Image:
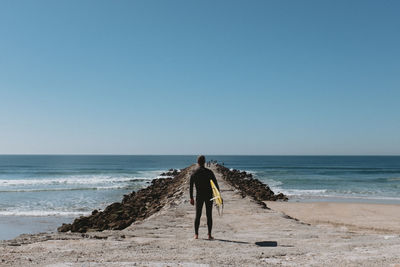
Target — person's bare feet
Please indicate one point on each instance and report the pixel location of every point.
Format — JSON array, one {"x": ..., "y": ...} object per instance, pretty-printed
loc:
[
  {"x": 210, "y": 237},
  {"x": 196, "y": 236}
]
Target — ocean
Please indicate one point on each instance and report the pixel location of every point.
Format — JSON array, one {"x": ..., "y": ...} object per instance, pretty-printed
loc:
[{"x": 38, "y": 192}]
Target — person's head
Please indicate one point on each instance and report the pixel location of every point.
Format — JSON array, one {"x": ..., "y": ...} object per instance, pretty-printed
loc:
[{"x": 201, "y": 160}]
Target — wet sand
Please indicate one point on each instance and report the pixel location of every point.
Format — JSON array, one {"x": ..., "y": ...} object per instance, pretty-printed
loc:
[{"x": 13, "y": 226}]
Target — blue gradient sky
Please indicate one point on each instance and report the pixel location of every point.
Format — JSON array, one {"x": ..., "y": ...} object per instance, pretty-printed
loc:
[{"x": 190, "y": 77}]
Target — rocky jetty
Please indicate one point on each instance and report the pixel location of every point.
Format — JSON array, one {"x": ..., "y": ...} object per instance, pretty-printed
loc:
[
  {"x": 135, "y": 206},
  {"x": 145, "y": 202},
  {"x": 249, "y": 186}
]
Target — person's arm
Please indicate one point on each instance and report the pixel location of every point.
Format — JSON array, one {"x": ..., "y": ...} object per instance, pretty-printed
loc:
[{"x": 191, "y": 190}]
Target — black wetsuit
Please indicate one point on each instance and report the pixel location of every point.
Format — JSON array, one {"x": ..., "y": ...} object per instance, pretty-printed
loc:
[{"x": 201, "y": 179}]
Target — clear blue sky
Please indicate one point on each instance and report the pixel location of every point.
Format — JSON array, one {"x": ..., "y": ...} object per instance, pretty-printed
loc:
[{"x": 190, "y": 77}]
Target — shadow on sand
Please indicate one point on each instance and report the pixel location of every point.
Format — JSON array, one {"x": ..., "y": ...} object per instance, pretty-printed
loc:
[
  {"x": 267, "y": 244},
  {"x": 260, "y": 244}
]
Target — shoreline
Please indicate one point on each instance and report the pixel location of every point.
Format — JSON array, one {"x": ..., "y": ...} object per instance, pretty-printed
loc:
[
  {"x": 339, "y": 199},
  {"x": 12, "y": 226}
]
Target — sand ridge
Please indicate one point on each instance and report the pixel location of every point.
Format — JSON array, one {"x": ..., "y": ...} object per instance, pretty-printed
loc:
[{"x": 246, "y": 235}]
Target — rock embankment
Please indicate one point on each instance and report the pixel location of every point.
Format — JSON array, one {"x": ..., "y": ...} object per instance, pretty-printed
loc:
[
  {"x": 249, "y": 186},
  {"x": 145, "y": 202},
  {"x": 134, "y": 206}
]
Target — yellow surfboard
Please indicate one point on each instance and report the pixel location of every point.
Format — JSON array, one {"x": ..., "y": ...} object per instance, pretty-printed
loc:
[{"x": 217, "y": 198}]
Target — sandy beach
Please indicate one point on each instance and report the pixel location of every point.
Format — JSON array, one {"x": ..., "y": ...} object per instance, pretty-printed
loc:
[
  {"x": 288, "y": 234},
  {"x": 361, "y": 217}
]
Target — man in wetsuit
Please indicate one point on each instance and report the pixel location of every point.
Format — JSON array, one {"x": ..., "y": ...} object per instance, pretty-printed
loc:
[{"x": 201, "y": 179}]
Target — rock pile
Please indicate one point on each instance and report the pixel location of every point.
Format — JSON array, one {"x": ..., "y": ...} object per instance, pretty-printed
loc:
[
  {"x": 171, "y": 172},
  {"x": 250, "y": 186},
  {"x": 135, "y": 206}
]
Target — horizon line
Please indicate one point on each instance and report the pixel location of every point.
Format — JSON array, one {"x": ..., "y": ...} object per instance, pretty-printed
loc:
[{"x": 267, "y": 155}]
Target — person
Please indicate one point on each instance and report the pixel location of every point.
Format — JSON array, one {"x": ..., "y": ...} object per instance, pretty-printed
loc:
[{"x": 201, "y": 179}]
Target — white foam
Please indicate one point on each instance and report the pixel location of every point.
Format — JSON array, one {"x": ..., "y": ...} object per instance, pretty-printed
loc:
[
  {"x": 78, "y": 180},
  {"x": 166, "y": 176},
  {"x": 300, "y": 192},
  {"x": 151, "y": 174},
  {"x": 248, "y": 171},
  {"x": 272, "y": 183},
  {"x": 323, "y": 193},
  {"x": 362, "y": 197},
  {"x": 68, "y": 189},
  {"x": 43, "y": 213}
]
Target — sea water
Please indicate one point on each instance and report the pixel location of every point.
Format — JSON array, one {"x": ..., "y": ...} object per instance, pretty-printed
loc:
[
  {"x": 373, "y": 179},
  {"x": 75, "y": 185},
  {"x": 48, "y": 188}
]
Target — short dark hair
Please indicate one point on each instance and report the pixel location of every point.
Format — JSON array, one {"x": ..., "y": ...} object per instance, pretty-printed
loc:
[{"x": 201, "y": 160}]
